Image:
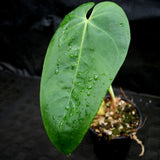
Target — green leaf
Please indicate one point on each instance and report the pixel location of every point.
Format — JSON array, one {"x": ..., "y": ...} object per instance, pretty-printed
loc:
[{"x": 82, "y": 60}]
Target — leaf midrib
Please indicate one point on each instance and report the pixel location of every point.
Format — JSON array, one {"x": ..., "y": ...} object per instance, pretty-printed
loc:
[{"x": 76, "y": 72}]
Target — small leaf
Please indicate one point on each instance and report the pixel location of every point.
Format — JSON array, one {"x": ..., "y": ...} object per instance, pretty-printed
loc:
[{"x": 82, "y": 60}]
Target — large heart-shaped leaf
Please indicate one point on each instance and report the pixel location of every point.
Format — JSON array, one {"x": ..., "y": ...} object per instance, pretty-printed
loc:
[{"x": 82, "y": 60}]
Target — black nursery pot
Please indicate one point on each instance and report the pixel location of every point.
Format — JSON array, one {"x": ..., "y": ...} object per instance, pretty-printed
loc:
[{"x": 116, "y": 148}]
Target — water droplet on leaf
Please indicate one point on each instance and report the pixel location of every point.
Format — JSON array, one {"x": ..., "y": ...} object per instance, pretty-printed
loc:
[
  {"x": 89, "y": 87},
  {"x": 69, "y": 43},
  {"x": 71, "y": 55},
  {"x": 95, "y": 77},
  {"x": 91, "y": 49},
  {"x": 121, "y": 24},
  {"x": 90, "y": 79},
  {"x": 56, "y": 71},
  {"x": 76, "y": 55},
  {"x": 88, "y": 94},
  {"x": 67, "y": 107},
  {"x": 73, "y": 65},
  {"x": 87, "y": 105}
]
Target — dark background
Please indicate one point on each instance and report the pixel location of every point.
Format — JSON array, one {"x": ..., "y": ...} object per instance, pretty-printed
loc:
[{"x": 26, "y": 28}]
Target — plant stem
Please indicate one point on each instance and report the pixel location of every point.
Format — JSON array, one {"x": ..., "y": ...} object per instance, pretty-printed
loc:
[{"x": 112, "y": 93}]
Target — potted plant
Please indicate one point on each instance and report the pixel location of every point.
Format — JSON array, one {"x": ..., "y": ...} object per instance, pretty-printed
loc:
[
  {"x": 114, "y": 125},
  {"x": 82, "y": 60}
]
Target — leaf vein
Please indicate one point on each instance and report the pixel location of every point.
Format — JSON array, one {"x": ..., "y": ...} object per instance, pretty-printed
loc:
[
  {"x": 107, "y": 35},
  {"x": 103, "y": 13},
  {"x": 73, "y": 15},
  {"x": 76, "y": 72},
  {"x": 75, "y": 25}
]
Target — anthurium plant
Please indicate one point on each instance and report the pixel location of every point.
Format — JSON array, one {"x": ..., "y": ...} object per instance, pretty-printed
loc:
[{"x": 82, "y": 60}]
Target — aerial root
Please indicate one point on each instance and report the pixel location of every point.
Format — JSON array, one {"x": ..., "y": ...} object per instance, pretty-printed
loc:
[{"x": 133, "y": 136}]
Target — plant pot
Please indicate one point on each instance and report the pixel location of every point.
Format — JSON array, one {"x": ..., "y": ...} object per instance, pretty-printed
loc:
[{"x": 116, "y": 148}]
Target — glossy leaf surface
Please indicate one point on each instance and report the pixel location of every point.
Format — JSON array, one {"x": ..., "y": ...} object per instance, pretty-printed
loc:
[{"x": 82, "y": 60}]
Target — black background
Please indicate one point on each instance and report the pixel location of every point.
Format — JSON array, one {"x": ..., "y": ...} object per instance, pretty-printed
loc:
[{"x": 26, "y": 28}]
